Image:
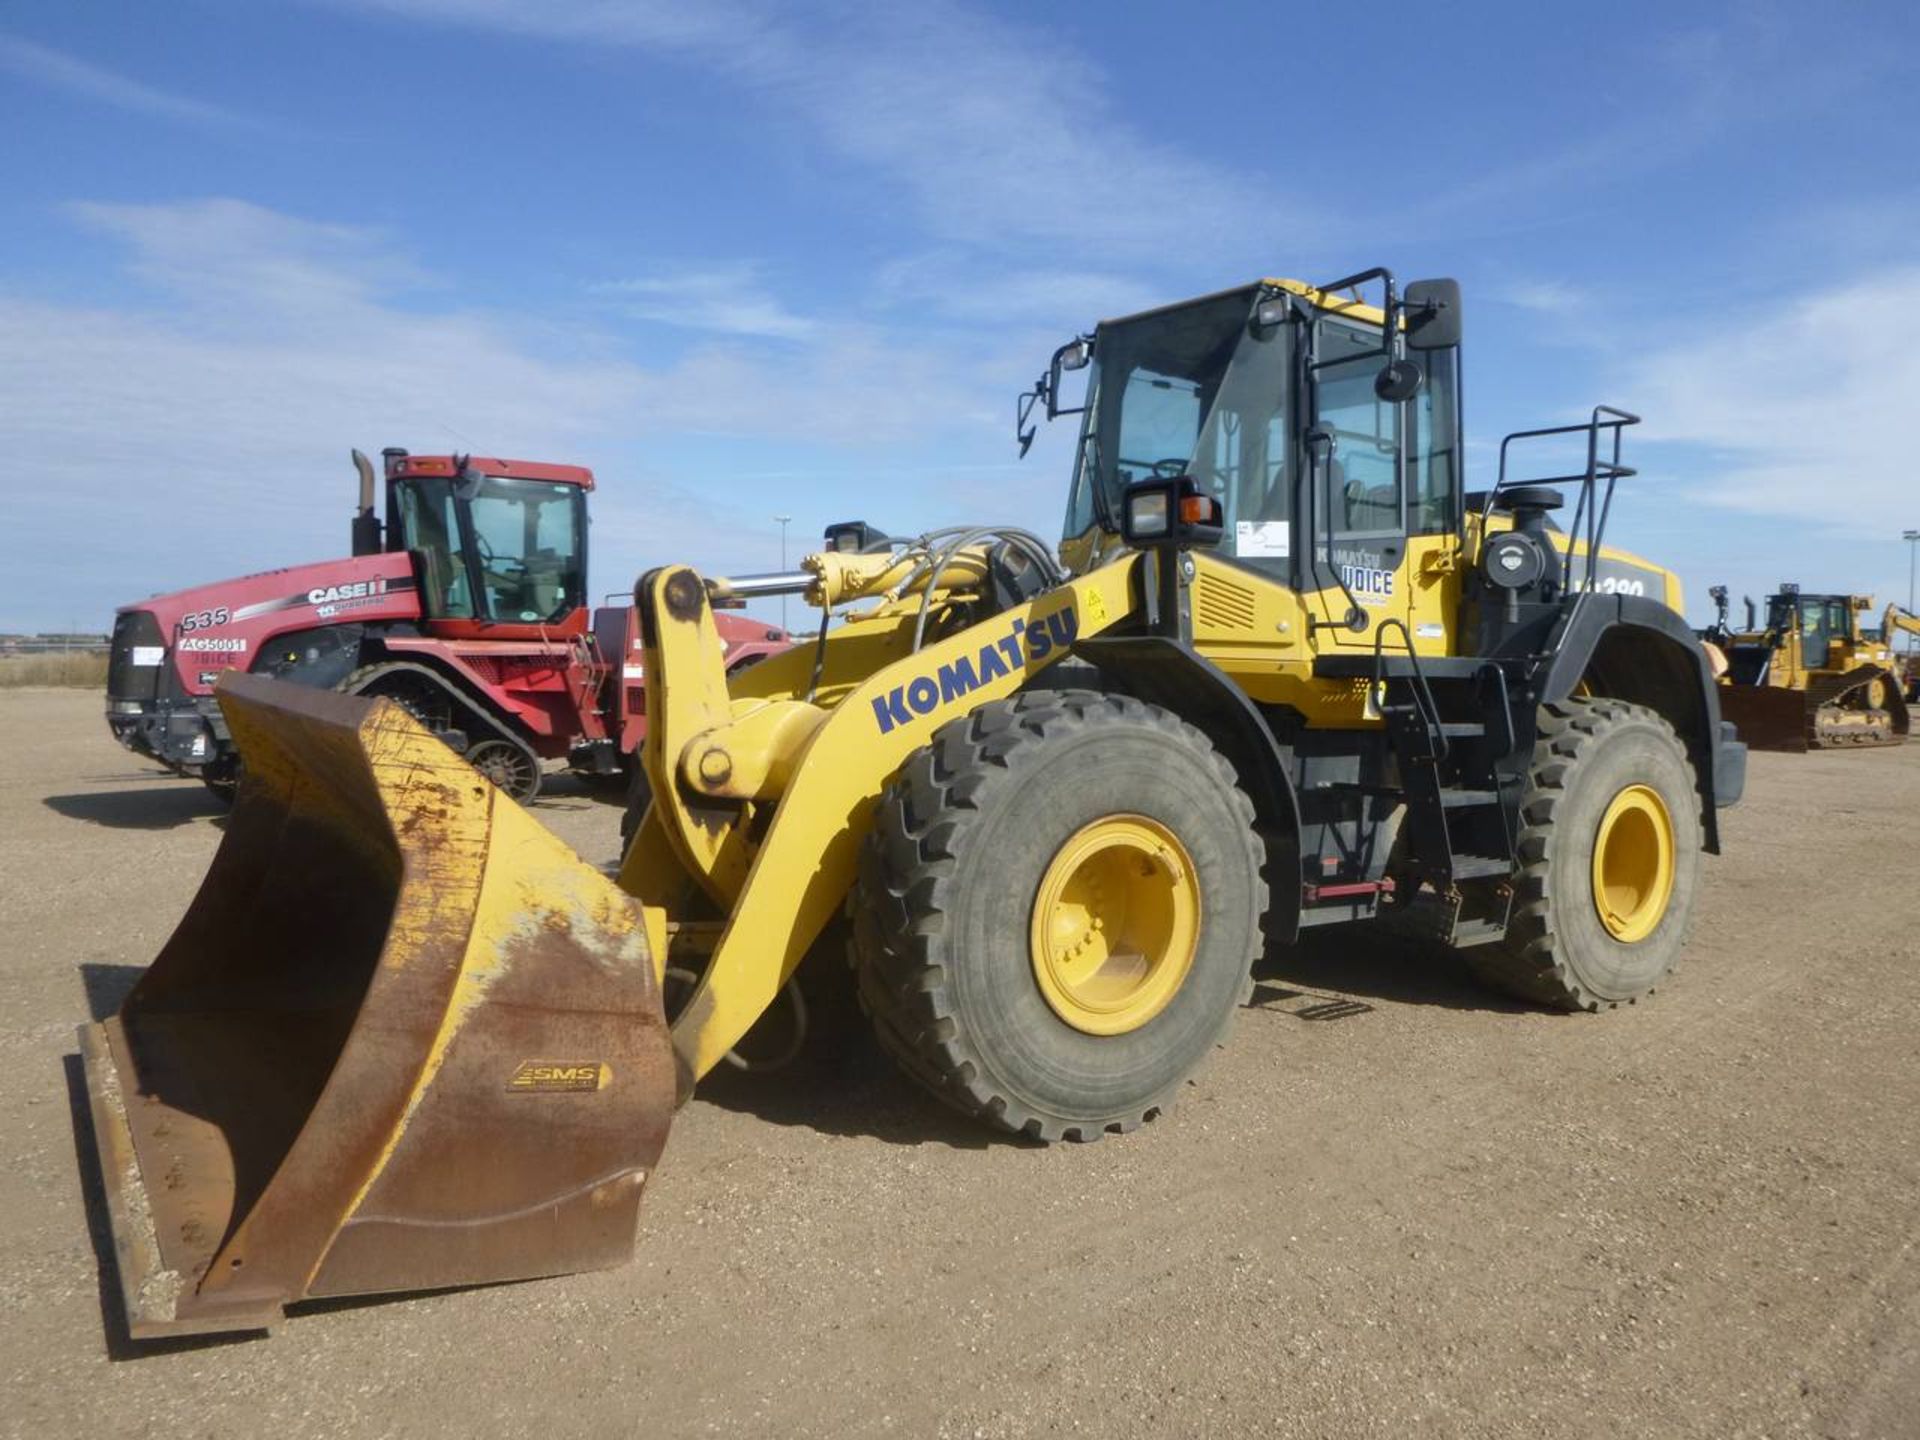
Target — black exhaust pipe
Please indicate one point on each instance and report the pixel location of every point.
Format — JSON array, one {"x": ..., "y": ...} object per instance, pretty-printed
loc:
[{"x": 366, "y": 525}]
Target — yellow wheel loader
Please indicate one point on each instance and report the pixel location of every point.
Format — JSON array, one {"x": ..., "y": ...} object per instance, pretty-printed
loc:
[
  {"x": 1810, "y": 679},
  {"x": 1281, "y": 672}
]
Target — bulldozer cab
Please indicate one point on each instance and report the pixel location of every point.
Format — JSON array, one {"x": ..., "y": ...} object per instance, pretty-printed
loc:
[
  {"x": 1818, "y": 621},
  {"x": 1277, "y": 400},
  {"x": 503, "y": 555}
]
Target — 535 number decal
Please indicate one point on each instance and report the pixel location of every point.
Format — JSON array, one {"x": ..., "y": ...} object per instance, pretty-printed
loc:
[{"x": 205, "y": 619}]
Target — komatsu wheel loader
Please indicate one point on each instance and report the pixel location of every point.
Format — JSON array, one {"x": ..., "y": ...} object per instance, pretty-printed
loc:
[
  {"x": 1810, "y": 679},
  {"x": 1289, "y": 675}
]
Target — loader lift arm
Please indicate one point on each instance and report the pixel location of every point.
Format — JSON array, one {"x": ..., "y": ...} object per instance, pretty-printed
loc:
[
  {"x": 1897, "y": 618},
  {"x": 780, "y": 891}
]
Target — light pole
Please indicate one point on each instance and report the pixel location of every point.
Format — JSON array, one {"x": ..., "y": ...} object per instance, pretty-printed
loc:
[
  {"x": 1912, "y": 537},
  {"x": 784, "y": 521}
]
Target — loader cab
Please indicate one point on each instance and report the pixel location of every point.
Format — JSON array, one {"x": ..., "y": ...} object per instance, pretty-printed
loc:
[
  {"x": 499, "y": 546},
  {"x": 1331, "y": 476}
]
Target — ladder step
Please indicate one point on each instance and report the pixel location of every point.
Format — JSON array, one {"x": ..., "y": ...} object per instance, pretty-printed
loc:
[
  {"x": 1355, "y": 787},
  {"x": 1477, "y": 932},
  {"x": 1476, "y": 867},
  {"x": 1462, "y": 729},
  {"x": 1463, "y": 799}
]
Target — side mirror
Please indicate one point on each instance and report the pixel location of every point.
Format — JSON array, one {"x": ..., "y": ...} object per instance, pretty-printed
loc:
[
  {"x": 466, "y": 479},
  {"x": 1432, "y": 308},
  {"x": 1074, "y": 355}
]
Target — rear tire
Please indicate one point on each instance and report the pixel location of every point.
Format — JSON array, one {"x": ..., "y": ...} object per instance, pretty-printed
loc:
[
  {"x": 222, "y": 779},
  {"x": 971, "y": 839},
  {"x": 509, "y": 765},
  {"x": 1567, "y": 945}
]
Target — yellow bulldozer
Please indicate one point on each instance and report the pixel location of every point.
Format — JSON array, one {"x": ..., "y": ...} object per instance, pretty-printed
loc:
[
  {"x": 1050, "y": 804},
  {"x": 1810, "y": 678}
]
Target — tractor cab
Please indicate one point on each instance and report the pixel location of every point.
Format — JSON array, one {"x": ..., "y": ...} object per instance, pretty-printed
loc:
[{"x": 499, "y": 546}]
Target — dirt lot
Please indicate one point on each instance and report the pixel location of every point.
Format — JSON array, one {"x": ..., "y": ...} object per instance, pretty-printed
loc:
[{"x": 1391, "y": 1205}]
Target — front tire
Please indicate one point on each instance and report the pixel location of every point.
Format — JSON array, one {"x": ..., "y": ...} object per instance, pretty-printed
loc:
[
  {"x": 1609, "y": 852},
  {"x": 1058, "y": 911}
]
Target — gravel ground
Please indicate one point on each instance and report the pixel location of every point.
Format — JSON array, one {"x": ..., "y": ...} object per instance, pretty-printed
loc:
[{"x": 1390, "y": 1205}]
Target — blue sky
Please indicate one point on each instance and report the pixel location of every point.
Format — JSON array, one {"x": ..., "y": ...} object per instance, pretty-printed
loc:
[{"x": 749, "y": 259}]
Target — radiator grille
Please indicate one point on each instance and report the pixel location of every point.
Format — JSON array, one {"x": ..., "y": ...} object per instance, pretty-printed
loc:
[{"x": 1222, "y": 605}]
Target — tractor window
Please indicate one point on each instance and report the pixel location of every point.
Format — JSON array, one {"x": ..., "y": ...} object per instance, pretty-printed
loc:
[
  {"x": 432, "y": 527},
  {"x": 512, "y": 551},
  {"x": 527, "y": 538}
]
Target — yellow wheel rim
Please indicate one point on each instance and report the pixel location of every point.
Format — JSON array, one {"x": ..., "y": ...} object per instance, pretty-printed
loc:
[
  {"x": 1633, "y": 864},
  {"x": 1115, "y": 924}
]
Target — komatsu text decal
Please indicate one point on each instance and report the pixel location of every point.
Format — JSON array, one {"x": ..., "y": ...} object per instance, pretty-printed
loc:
[{"x": 999, "y": 658}]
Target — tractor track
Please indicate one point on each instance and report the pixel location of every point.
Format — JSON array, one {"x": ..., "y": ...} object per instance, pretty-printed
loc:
[{"x": 1430, "y": 1212}]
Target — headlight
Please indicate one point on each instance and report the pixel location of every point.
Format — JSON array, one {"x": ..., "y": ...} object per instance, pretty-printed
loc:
[
  {"x": 125, "y": 707},
  {"x": 1148, "y": 514}
]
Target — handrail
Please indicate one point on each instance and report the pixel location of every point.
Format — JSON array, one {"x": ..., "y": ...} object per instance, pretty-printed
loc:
[
  {"x": 1591, "y": 510},
  {"x": 1423, "y": 693}
]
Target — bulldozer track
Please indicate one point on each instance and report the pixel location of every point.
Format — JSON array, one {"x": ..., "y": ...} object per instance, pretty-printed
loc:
[{"x": 1839, "y": 717}]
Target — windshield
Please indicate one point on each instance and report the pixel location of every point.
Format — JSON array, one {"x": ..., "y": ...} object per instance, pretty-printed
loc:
[
  {"x": 512, "y": 551},
  {"x": 1821, "y": 619},
  {"x": 1195, "y": 390}
]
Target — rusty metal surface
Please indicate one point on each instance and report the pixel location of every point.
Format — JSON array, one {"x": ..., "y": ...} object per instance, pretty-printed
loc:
[
  {"x": 403, "y": 1038},
  {"x": 152, "y": 1274}
]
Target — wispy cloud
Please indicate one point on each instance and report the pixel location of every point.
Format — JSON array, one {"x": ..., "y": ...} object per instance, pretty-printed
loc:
[
  {"x": 272, "y": 343},
  {"x": 1545, "y": 297},
  {"x": 999, "y": 135},
  {"x": 730, "y": 300},
  {"x": 60, "y": 71},
  {"x": 1801, "y": 411}
]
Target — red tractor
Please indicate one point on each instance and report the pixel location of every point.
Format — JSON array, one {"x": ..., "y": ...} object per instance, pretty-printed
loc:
[{"x": 468, "y": 606}]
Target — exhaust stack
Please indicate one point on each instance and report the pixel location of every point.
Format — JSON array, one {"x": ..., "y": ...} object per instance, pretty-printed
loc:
[{"x": 366, "y": 525}]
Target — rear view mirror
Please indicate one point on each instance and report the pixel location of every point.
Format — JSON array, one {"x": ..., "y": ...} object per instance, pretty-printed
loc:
[
  {"x": 1432, "y": 308},
  {"x": 1074, "y": 355}
]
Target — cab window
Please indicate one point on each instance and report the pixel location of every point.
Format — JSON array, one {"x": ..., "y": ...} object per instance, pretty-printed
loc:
[{"x": 1361, "y": 481}]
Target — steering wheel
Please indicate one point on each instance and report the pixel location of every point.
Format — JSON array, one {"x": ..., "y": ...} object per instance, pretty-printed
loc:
[
  {"x": 1169, "y": 469},
  {"x": 491, "y": 562}
]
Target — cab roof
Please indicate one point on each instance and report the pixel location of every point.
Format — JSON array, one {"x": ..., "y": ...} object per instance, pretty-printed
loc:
[
  {"x": 400, "y": 466},
  {"x": 1319, "y": 299}
]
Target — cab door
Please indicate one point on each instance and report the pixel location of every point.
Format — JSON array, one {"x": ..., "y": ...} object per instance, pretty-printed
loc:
[{"x": 1358, "y": 546}]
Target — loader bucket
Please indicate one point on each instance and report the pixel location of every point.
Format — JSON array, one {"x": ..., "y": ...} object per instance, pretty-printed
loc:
[
  {"x": 1768, "y": 717},
  {"x": 404, "y": 1038}
]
